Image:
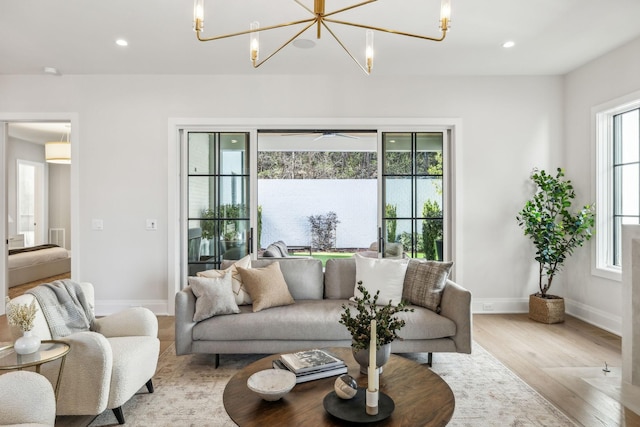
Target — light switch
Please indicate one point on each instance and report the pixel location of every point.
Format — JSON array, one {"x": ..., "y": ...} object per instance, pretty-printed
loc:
[
  {"x": 152, "y": 224},
  {"x": 97, "y": 224}
]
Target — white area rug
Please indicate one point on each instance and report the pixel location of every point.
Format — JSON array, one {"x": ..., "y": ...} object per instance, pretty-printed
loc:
[{"x": 188, "y": 392}]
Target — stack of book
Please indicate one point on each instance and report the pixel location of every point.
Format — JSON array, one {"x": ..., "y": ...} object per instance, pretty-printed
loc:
[{"x": 311, "y": 365}]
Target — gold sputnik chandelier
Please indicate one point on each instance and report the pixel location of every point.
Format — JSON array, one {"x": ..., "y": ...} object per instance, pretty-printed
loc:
[{"x": 320, "y": 19}]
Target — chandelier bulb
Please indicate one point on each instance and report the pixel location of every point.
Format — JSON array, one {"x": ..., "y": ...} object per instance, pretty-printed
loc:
[
  {"x": 254, "y": 41},
  {"x": 369, "y": 50},
  {"x": 445, "y": 15},
  {"x": 198, "y": 15}
]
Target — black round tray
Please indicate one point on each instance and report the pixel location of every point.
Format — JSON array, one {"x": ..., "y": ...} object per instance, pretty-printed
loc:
[{"x": 354, "y": 410}]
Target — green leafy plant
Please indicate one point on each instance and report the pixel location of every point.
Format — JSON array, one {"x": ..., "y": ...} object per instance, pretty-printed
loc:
[
  {"x": 391, "y": 211},
  {"x": 359, "y": 326},
  {"x": 554, "y": 230},
  {"x": 323, "y": 230},
  {"x": 431, "y": 228}
]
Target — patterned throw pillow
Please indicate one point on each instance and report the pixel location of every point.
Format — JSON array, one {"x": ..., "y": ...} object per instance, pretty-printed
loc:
[
  {"x": 240, "y": 293},
  {"x": 214, "y": 296},
  {"x": 424, "y": 283},
  {"x": 266, "y": 286}
]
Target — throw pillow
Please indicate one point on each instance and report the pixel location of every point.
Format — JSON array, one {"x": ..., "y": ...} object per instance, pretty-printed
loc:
[
  {"x": 386, "y": 275},
  {"x": 240, "y": 293},
  {"x": 424, "y": 283},
  {"x": 272, "y": 251},
  {"x": 214, "y": 296},
  {"x": 284, "y": 251},
  {"x": 266, "y": 286}
]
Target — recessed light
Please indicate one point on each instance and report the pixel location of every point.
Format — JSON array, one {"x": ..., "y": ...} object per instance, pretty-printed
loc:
[
  {"x": 122, "y": 42},
  {"x": 304, "y": 43},
  {"x": 53, "y": 71},
  {"x": 508, "y": 44}
]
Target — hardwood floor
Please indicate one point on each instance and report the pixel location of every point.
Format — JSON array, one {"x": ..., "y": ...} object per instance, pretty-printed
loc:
[{"x": 562, "y": 362}]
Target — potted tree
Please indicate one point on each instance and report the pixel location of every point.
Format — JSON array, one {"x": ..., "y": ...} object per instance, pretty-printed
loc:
[{"x": 555, "y": 233}]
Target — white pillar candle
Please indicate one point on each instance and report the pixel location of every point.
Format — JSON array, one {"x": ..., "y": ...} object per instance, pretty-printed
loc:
[{"x": 372, "y": 359}]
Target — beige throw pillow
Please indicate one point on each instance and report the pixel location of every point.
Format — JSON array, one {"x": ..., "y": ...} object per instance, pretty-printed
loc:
[
  {"x": 214, "y": 296},
  {"x": 241, "y": 295},
  {"x": 266, "y": 286},
  {"x": 424, "y": 283}
]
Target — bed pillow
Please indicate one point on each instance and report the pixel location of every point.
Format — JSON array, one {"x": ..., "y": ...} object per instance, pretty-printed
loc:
[
  {"x": 266, "y": 286},
  {"x": 214, "y": 296},
  {"x": 239, "y": 291},
  {"x": 386, "y": 275},
  {"x": 425, "y": 282}
]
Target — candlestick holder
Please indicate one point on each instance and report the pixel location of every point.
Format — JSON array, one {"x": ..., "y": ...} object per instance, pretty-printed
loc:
[{"x": 372, "y": 402}]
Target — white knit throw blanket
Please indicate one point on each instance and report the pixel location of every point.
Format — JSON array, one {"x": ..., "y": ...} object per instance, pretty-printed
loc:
[{"x": 64, "y": 306}]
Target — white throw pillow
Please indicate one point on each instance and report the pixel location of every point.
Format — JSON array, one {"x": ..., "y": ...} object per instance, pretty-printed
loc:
[
  {"x": 386, "y": 275},
  {"x": 239, "y": 291}
]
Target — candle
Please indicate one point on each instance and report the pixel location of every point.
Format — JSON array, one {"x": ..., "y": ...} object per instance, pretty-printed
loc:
[{"x": 372, "y": 358}]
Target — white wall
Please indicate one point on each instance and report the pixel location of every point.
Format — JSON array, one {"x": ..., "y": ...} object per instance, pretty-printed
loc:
[
  {"x": 509, "y": 125},
  {"x": 614, "y": 75}
]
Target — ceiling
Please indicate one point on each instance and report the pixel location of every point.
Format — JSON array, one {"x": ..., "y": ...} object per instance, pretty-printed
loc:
[{"x": 78, "y": 36}]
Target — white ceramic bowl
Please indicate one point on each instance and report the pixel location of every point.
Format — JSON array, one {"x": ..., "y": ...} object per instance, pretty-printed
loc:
[{"x": 271, "y": 384}]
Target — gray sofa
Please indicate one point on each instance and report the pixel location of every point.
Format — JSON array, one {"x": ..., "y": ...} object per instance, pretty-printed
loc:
[{"x": 312, "y": 321}]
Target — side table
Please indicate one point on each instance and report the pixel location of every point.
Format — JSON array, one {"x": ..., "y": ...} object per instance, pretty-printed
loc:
[{"x": 49, "y": 351}]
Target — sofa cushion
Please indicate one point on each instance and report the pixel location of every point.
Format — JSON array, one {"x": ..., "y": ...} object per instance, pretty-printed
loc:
[
  {"x": 266, "y": 286},
  {"x": 304, "y": 276},
  {"x": 424, "y": 283},
  {"x": 311, "y": 320},
  {"x": 339, "y": 277},
  {"x": 304, "y": 320},
  {"x": 214, "y": 296},
  {"x": 240, "y": 293},
  {"x": 384, "y": 275}
]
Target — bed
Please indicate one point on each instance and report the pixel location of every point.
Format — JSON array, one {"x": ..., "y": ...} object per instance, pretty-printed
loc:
[{"x": 37, "y": 262}]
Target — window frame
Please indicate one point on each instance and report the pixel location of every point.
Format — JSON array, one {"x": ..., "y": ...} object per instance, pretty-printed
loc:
[{"x": 603, "y": 147}]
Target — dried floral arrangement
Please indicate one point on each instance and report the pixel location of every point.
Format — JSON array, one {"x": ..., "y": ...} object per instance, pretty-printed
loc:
[
  {"x": 21, "y": 315},
  {"x": 367, "y": 309}
]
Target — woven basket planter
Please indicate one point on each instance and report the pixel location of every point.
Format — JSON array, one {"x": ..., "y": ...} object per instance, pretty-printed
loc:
[{"x": 546, "y": 310}]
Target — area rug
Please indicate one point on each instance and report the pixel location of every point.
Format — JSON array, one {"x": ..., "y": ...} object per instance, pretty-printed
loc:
[{"x": 188, "y": 392}]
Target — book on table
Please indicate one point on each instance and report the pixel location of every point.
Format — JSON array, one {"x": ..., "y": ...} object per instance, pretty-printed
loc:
[
  {"x": 310, "y": 360},
  {"x": 313, "y": 375}
]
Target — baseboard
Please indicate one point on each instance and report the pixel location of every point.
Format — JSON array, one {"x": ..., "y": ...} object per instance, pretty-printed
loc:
[
  {"x": 593, "y": 316},
  {"x": 107, "y": 307},
  {"x": 499, "y": 305}
]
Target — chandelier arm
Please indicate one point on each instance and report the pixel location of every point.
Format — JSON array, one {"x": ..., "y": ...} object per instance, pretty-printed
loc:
[
  {"x": 313, "y": 21},
  {"x": 385, "y": 30},
  {"x": 348, "y": 7},
  {"x": 271, "y": 27},
  {"x": 304, "y": 6},
  {"x": 345, "y": 48}
]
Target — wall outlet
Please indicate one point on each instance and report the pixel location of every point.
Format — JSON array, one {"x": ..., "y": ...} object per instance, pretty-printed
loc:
[
  {"x": 487, "y": 306},
  {"x": 97, "y": 224},
  {"x": 152, "y": 224}
]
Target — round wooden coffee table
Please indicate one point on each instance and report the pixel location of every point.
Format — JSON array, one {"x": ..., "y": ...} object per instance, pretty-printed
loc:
[{"x": 421, "y": 397}]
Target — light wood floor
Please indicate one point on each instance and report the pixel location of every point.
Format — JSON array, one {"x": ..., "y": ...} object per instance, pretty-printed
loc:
[{"x": 563, "y": 362}]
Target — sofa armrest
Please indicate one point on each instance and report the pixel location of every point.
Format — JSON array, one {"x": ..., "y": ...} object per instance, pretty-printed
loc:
[
  {"x": 134, "y": 321},
  {"x": 27, "y": 398},
  {"x": 456, "y": 305},
  {"x": 185, "y": 305},
  {"x": 86, "y": 377}
]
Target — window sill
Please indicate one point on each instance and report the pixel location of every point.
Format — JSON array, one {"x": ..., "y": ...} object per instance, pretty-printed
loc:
[{"x": 611, "y": 273}]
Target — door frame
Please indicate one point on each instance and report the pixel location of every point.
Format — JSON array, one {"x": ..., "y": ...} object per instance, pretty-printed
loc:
[
  {"x": 175, "y": 246},
  {"x": 73, "y": 119}
]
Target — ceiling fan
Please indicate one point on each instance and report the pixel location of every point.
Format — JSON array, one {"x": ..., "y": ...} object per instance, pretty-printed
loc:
[{"x": 324, "y": 134}]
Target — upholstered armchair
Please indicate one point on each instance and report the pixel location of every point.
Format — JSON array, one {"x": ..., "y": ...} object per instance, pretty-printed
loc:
[
  {"x": 104, "y": 367},
  {"x": 27, "y": 399}
]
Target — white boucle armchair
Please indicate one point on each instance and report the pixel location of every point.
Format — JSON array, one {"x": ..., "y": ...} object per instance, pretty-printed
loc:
[
  {"x": 27, "y": 399},
  {"x": 104, "y": 367}
]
